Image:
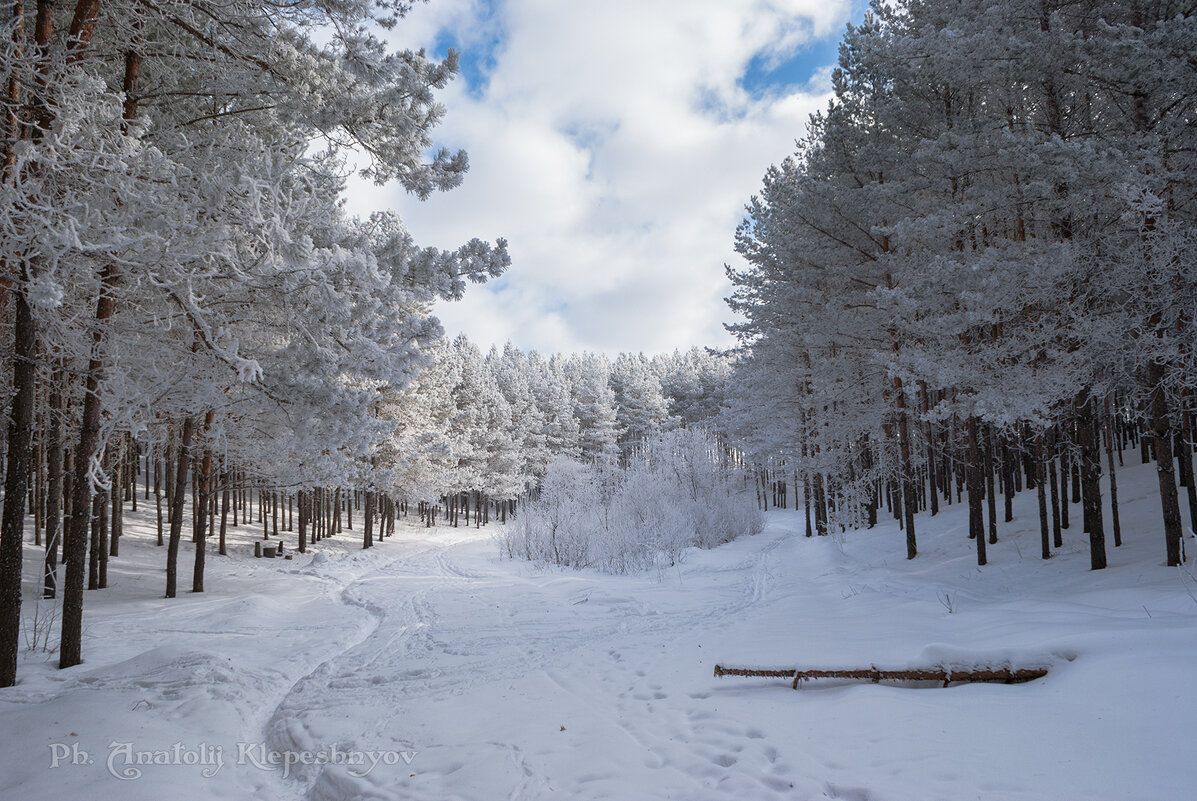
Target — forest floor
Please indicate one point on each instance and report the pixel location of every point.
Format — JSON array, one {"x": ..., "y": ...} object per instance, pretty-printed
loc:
[{"x": 450, "y": 673}]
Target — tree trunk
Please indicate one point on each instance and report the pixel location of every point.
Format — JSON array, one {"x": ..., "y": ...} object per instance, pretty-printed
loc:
[
  {"x": 1185, "y": 460},
  {"x": 176, "y": 512},
  {"x": 302, "y": 502},
  {"x": 54, "y": 500},
  {"x": 16, "y": 482},
  {"x": 1041, "y": 468},
  {"x": 101, "y": 542},
  {"x": 1090, "y": 469},
  {"x": 932, "y": 478},
  {"x": 71, "y": 645},
  {"x": 976, "y": 489},
  {"x": 1064, "y": 470},
  {"x": 158, "y": 496},
  {"x": 205, "y": 502},
  {"x": 93, "y": 549},
  {"x": 820, "y": 506},
  {"x": 1009, "y": 470},
  {"x": 337, "y": 498},
  {"x": 990, "y": 490},
  {"x": 314, "y": 515},
  {"x": 116, "y": 506},
  {"x": 806, "y": 490},
  {"x": 75, "y": 545},
  {"x": 1161, "y": 428},
  {"x": 368, "y": 524},
  {"x": 224, "y": 512},
  {"x": 1110, "y": 442},
  {"x": 1057, "y": 534}
]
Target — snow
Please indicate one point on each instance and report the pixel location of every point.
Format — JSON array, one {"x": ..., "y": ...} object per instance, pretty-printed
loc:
[{"x": 478, "y": 677}]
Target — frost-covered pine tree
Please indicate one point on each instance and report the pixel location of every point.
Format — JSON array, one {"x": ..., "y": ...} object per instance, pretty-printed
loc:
[
  {"x": 695, "y": 383},
  {"x": 515, "y": 375},
  {"x": 552, "y": 393},
  {"x": 173, "y": 237},
  {"x": 976, "y": 247},
  {"x": 640, "y": 405},
  {"x": 587, "y": 376}
]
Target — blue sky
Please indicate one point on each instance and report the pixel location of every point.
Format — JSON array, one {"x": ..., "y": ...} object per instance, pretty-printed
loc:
[
  {"x": 614, "y": 143},
  {"x": 765, "y": 73}
]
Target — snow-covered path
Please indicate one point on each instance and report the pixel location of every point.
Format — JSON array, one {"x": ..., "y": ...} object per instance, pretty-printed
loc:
[
  {"x": 468, "y": 650},
  {"x": 480, "y": 678}
]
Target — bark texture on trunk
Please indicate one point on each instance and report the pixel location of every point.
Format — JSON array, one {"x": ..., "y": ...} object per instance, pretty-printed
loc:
[
  {"x": 183, "y": 455},
  {"x": 16, "y": 479}
]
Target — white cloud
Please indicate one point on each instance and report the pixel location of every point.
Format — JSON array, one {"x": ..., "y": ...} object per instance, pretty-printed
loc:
[{"x": 615, "y": 148}]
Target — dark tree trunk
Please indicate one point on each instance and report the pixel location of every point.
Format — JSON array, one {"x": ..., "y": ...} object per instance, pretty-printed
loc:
[
  {"x": 158, "y": 496},
  {"x": 93, "y": 549},
  {"x": 1030, "y": 458},
  {"x": 976, "y": 489},
  {"x": 169, "y": 476},
  {"x": 1110, "y": 442},
  {"x": 820, "y": 506},
  {"x": 1009, "y": 470},
  {"x": 224, "y": 511},
  {"x": 895, "y": 493},
  {"x": 70, "y": 651},
  {"x": 932, "y": 478},
  {"x": 1057, "y": 534},
  {"x": 16, "y": 482},
  {"x": 116, "y": 506},
  {"x": 71, "y": 645},
  {"x": 102, "y": 518},
  {"x": 176, "y": 512},
  {"x": 909, "y": 496},
  {"x": 368, "y": 525},
  {"x": 1184, "y": 454},
  {"x": 314, "y": 514},
  {"x": 806, "y": 490},
  {"x": 1064, "y": 469},
  {"x": 204, "y": 507},
  {"x": 1161, "y": 428},
  {"x": 336, "y": 526},
  {"x": 1041, "y": 468},
  {"x": 302, "y": 502},
  {"x": 990, "y": 489},
  {"x": 866, "y": 463},
  {"x": 54, "y": 491},
  {"x": 1090, "y": 469}
]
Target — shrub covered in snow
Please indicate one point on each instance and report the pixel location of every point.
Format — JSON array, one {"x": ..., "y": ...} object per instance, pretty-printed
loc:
[{"x": 675, "y": 491}]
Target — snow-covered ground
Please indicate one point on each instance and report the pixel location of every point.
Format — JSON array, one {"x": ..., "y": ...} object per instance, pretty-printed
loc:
[{"x": 451, "y": 674}]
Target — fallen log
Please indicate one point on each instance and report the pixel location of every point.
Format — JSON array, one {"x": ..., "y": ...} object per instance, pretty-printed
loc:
[{"x": 875, "y": 674}]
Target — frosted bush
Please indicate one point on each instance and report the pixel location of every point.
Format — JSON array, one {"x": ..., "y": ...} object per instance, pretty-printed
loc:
[
  {"x": 676, "y": 492},
  {"x": 555, "y": 528}
]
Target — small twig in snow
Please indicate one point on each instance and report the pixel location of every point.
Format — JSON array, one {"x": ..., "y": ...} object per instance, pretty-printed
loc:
[{"x": 946, "y": 600}]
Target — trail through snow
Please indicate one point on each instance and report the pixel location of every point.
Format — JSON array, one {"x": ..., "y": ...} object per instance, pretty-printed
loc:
[
  {"x": 466, "y": 676},
  {"x": 483, "y": 646}
]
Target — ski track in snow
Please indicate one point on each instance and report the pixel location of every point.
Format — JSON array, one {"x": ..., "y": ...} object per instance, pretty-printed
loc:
[{"x": 431, "y": 639}]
